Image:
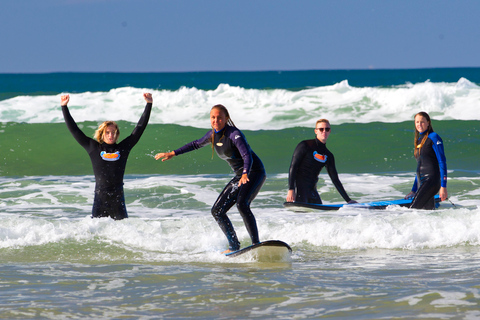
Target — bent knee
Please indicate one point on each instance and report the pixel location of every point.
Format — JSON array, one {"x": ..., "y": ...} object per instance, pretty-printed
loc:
[{"x": 243, "y": 207}]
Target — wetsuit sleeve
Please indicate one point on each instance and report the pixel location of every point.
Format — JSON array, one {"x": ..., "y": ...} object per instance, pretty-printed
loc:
[
  {"x": 437, "y": 146},
  {"x": 140, "y": 127},
  {"x": 78, "y": 134},
  {"x": 194, "y": 145},
  {"x": 297, "y": 158},
  {"x": 240, "y": 142},
  {"x": 415, "y": 184},
  {"x": 332, "y": 172}
]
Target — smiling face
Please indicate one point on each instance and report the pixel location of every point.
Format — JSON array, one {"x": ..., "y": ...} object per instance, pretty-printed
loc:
[
  {"x": 218, "y": 119},
  {"x": 421, "y": 123},
  {"x": 110, "y": 134},
  {"x": 322, "y": 130}
]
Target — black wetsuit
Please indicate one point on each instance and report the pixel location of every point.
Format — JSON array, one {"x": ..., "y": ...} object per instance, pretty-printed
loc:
[
  {"x": 230, "y": 145},
  {"x": 308, "y": 160},
  {"x": 431, "y": 172},
  {"x": 108, "y": 162}
]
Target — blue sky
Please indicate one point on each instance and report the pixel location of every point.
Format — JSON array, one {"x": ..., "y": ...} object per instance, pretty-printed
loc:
[{"x": 203, "y": 35}]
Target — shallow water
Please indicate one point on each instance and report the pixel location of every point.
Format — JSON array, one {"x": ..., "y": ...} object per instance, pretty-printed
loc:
[{"x": 164, "y": 261}]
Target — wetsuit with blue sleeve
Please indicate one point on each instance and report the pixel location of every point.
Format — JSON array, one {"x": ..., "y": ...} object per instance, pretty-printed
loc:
[
  {"x": 309, "y": 158},
  {"x": 431, "y": 172},
  {"x": 108, "y": 162},
  {"x": 230, "y": 145}
]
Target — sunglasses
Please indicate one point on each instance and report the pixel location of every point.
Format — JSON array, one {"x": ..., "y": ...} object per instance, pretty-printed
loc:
[{"x": 321, "y": 129}]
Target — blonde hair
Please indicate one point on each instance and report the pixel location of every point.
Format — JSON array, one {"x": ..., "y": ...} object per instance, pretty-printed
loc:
[
  {"x": 418, "y": 145},
  {"x": 321, "y": 121},
  {"x": 101, "y": 130}
]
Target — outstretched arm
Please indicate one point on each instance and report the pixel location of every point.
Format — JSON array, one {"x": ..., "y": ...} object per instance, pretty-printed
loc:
[{"x": 165, "y": 155}]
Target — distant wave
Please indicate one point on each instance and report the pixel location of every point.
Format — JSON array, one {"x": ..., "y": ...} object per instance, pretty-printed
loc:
[{"x": 255, "y": 109}]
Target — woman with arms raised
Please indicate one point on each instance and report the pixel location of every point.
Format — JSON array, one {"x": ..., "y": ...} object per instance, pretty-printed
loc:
[{"x": 108, "y": 159}]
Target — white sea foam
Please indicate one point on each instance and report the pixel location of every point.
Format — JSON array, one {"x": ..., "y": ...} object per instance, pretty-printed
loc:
[
  {"x": 259, "y": 109},
  {"x": 170, "y": 216}
]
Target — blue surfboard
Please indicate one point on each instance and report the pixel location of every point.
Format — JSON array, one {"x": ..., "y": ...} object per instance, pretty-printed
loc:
[
  {"x": 270, "y": 250},
  {"x": 301, "y": 206}
]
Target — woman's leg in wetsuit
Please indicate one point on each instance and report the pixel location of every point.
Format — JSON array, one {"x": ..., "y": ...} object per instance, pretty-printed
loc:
[
  {"x": 247, "y": 193},
  {"x": 424, "y": 198},
  {"x": 224, "y": 202}
]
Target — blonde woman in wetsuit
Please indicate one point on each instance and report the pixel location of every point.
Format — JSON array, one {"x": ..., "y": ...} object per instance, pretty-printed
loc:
[{"x": 108, "y": 159}]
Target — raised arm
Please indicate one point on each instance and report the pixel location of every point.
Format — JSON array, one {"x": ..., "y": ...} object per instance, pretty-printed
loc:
[
  {"x": 78, "y": 134},
  {"x": 142, "y": 123},
  {"x": 148, "y": 97},
  {"x": 64, "y": 100}
]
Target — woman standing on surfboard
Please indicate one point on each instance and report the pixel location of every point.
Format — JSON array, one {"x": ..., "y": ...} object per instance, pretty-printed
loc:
[
  {"x": 309, "y": 158},
  {"x": 431, "y": 177},
  {"x": 230, "y": 145},
  {"x": 108, "y": 159}
]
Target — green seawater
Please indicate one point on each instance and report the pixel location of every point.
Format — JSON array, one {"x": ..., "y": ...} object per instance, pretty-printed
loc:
[{"x": 49, "y": 149}]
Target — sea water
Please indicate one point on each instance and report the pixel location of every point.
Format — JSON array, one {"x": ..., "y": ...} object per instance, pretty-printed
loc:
[{"x": 164, "y": 261}]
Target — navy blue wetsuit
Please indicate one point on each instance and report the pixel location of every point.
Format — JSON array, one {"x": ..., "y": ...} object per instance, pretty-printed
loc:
[
  {"x": 309, "y": 158},
  {"x": 431, "y": 172},
  {"x": 108, "y": 162},
  {"x": 230, "y": 145}
]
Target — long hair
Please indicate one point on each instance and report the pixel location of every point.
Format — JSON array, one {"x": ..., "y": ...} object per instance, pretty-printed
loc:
[
  {"x": 101, "y": 130},
  {"x": 222, "y": 108},
  {"x": 418, "y": 145}
]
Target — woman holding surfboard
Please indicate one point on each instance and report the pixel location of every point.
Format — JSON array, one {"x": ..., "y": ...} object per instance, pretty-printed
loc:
[
  {"x": 230, "y": 145},
  {"x": 309, "y": 158},
  {"x": 431, "y": 177}
]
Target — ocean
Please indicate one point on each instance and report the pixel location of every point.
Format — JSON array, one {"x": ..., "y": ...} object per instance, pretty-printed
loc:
[{"x": 164, "y": 261}]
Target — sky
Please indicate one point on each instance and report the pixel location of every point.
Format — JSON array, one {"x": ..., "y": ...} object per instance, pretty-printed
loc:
[{"x": 41, "y": 36}]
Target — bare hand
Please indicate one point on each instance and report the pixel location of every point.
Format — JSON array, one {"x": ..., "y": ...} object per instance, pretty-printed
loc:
[
  {"x": 291, "y": 196},
  {"x": 410, "y": 195},
  {"x": 244, "y": 179},
  {"x": 165, "y": 155},
  {"x": 148, "y": 97},
  {"x": 443, "y": 193},
  {"x": 64, "y": 100}
]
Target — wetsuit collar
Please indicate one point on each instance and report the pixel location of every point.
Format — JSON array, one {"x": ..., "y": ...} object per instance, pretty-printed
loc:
[{"x": 219, "y": 130}]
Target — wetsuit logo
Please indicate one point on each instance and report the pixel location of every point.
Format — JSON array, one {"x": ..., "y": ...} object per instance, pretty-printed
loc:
[
  {"x": 237, "y": 136},
  {"x": 319, "y": 157},
  {"x": 110, "y": 156}
]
